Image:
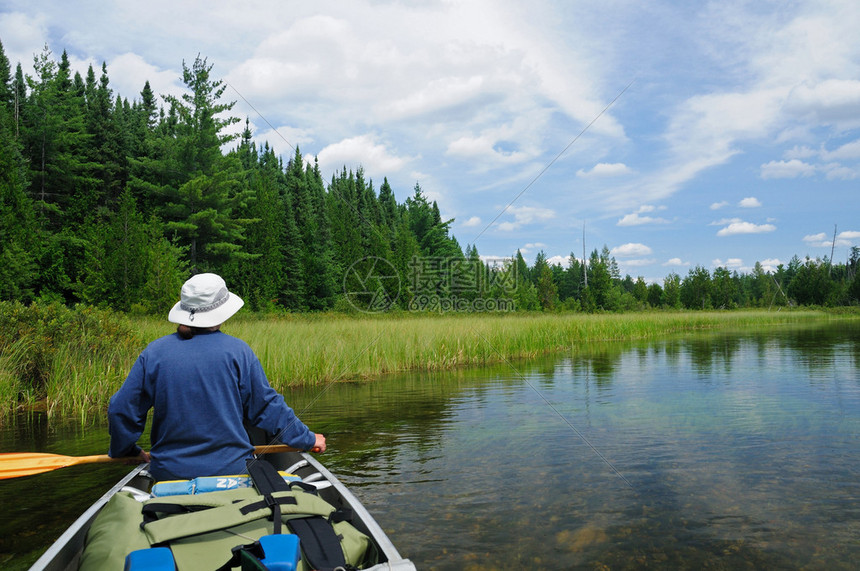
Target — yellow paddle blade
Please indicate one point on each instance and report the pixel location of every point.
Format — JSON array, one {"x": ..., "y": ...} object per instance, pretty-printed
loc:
[{"x": 15, "y": 464}]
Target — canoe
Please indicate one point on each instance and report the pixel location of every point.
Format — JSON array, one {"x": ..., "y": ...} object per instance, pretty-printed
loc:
[{"x": 65, "y": 553}]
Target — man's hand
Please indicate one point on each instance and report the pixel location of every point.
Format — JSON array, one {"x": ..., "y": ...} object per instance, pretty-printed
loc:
[{"x": 319, "y": 445}]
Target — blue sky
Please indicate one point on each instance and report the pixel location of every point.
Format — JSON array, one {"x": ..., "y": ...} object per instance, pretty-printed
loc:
[{"x": 677, "y": 134}]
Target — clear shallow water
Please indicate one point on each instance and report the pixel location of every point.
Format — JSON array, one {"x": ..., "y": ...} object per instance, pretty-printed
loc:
[{"x": 715, "y": 451}]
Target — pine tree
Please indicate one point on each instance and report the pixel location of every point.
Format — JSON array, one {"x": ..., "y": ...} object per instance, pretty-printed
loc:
[
  {"x": 342, "y": 202},
  {"x": 199, "y": 207},
  {"x": 811, "y": 283},
  {"x": 388, "y": 208},
  {"x": 547, "y": 290},
  {"x": 55, "y": 140},
  {"x": 672, "y": 291},
  {"x": 429, "y": 230},
  {"x": 600, "y": 279},
  {"x": 17, "y": 229},
  {"x": 405, "y": 251},
  {"x": 117, "y": 263},
  {"x": 320, "y": 276},
  {"x": 19, "y": 96},
  {"x": 7, "y": 93},
  {"x": 724, "y": 289},
  {"x": 572, "y": 281},
  {"x": 107, "y": 149},
  {"x": 696, "y": 289},
  {"x": 374, "y": 238},
  {"x": 153, "y": 161},
  {"x": 260, "y": 282}
]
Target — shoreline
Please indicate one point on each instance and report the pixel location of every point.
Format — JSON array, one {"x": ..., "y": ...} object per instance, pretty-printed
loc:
[{"x": 309, "y": 350}]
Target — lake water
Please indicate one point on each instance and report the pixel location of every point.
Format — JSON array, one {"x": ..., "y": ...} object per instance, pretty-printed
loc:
[{"x": 722, "y": 451}]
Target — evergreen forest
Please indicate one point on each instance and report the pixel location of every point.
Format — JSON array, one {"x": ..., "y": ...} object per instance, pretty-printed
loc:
[{"x": 113, "y": 202}]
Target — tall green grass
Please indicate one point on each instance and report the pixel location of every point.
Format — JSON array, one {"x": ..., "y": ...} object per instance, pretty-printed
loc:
[
  {"x": 75, "y": 367},
  {"x": 314, "y": 351},
  {"x": 58, "y": 357}
]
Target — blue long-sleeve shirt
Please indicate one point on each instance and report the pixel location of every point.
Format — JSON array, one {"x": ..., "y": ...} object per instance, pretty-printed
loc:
[{"x": 200, "y": 389}]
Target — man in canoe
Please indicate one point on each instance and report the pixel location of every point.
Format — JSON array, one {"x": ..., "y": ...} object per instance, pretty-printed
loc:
[{"x": 202, "y": 385}]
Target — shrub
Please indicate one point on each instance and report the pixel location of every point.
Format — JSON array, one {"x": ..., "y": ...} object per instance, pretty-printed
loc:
[{"x": 32, "y": 338}]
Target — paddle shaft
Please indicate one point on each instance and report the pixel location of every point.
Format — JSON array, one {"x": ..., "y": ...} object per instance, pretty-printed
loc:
[{"x": 16, "y": 464}]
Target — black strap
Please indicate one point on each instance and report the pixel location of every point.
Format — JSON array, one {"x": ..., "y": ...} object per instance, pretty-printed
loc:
[
  {"x": 320, "y": 544},
  {"x": 268, "y": 481},
  {"x": 341, "y": 514},
  {"x": 150, "y": 511},
  {"x": 248, "y": 556},
  {"x": 266, "y": 478},
  {"x": 267, "y": 502},
  {"x": 251, "y": 562},
  {"x": 303, "y": 486}
]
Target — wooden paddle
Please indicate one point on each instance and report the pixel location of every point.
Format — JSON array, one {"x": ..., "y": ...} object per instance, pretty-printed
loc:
[{"x": 16, "y": 464}]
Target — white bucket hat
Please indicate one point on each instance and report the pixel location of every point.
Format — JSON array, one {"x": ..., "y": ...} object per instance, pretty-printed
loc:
[{"x": 204, "y": 302}]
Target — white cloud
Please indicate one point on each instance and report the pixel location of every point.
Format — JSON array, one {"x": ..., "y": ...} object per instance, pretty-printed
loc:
[
  {"x": 472, "y": 222},
  {"x": 823, "y": 243},
  {"x": 675, "y": 262},
  {"x": 487, "y": 146},
  {"x": 638, "y": 263},
  {"x": 786, "y": 169},
  {"x": 531, "y": 247},
  {"x": 847, "y": 151},
  {"x": 724, "y": 221},
  {"x": 813, "y": 238},
  {"x": 525, "y": 215},
  {"x": 749, "y": 202},
  {"x": 799, "y": 152},
  {"x": 438, "y": 93},
  {"x": 831, "y": 101},
  {"x": 604, "y": 170},
  {"x": 770, "y": 264},
  {"x": 361, "y": 151},
  {"x": 636, "y": 218},
  {"x": 828, "y": 162},
  {"x": 558, "y": 261},
  {"x": 283, "y": 138},
  {"x": 129, "y": 72},
  {"x": 23, "y": 37},
  {"x": 824, "y": 240},
  {"x": 718, "y": 205},
  {"x": 835, "y": 171},
  {"x": 630, "y": 250},
  {"x": 741, "y": 227},
  {"x": 495, "y": 261},
  {"x": 705, "y": 129},
  {"x": 731, "y": 263}
]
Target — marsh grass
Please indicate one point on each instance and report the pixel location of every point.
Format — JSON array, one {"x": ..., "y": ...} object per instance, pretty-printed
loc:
[
  {"x": 13, "y": 370},
  {"x": 55, "y": 356},
  {"x": 77, "y": 371},
  {"x": 312, "y": 351}
]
